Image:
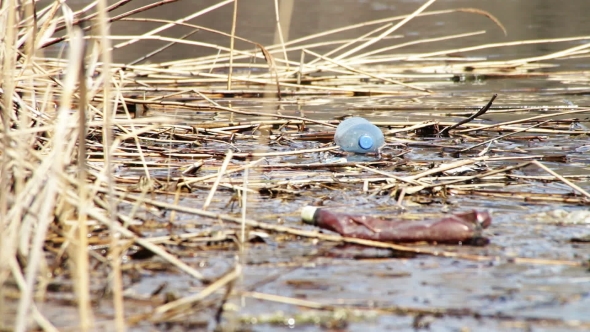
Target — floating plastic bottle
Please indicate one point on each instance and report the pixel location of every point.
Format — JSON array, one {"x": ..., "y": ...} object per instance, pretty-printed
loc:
[
  {"x": 454, "y": 228},
  {"x": 358, "y": 135}
]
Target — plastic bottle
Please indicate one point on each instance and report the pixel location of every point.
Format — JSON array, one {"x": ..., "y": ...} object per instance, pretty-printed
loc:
[
  {"x": 358, "y": 135},
  {"x": 460, "y": 227}
]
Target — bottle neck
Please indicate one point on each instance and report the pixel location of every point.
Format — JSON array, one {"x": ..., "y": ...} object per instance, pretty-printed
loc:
[{"x": 366, "y": 142}]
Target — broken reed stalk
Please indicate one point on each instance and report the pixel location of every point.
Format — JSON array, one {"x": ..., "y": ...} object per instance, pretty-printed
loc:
[
  {"x": 562, "y": 179},
  {"x": 386, "y": 32},
  {"x": 237, "y": 169},
  {"x": 469, "y": 178},
  {"x": 503, "y": 136},
  {"x": 8, "y": 90},
  {"x": 8, "y": 249},
  {"x": 231, "y": 44},
  {"x": 8, "y": 232},
  {"x": 244, "y": 210},
  {"x": 389, "y": 20},
  {"x": 384, "y": 79},
  {"x": 366, "y": 55},
  {"x": 107, "y": 142},
  {"x": 165, "y": 47},
  {"x": 351, "y": 42},
  {"x": 481, "y": 112},
  {"x": 395, "y": 177},
  {"x": 506, "y": 123},
  {"x": 80, "y": 246},
  {"x": 220, "y": 174},
  {"x": 170, "y": 25},
  {"x": 133, "y": 132},
  {"x": 283, "y": 19}
]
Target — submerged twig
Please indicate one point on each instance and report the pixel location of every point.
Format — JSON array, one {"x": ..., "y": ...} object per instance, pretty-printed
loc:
[{"x": 481, "y": 112}]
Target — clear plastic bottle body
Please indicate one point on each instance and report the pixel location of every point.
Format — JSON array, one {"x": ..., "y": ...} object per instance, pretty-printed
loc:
[{"x": 358, "y": 135}]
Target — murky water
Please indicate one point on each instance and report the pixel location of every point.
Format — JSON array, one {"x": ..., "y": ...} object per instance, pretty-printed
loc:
[{"x": 482, "y": 293}]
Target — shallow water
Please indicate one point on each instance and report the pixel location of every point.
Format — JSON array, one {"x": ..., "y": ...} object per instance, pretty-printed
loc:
[
  {"x": 487, "y": 296},
  {"x": 483, "y": 292}
]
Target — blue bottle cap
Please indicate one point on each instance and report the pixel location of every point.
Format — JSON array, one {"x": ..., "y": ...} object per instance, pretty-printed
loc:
[{"x": 365, "y": 142}]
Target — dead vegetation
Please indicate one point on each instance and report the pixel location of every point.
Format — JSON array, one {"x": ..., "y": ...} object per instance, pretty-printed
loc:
[{"x": 97, "y": 167}]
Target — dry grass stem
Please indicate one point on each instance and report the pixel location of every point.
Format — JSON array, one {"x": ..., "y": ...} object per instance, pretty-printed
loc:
[
  {"x": 386, "y": 32},
  {"x": 503, "y": 136},
  {"x": 283, "y": 19},
  {"x": 220, "y": 174},
  {"x": 562, "y": 179},
  {"x": 231, "y": 44},
  {"x": 363, "y": 72}
]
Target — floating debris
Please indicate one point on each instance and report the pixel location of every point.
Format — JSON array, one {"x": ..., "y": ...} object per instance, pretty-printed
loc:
[
  {"x": 453, "y": 228},
  {"x": 560, "y": 216}
]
